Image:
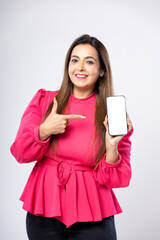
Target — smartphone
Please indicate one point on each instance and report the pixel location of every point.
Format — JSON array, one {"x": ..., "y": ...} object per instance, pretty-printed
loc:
[{"x": 117, "y": 115}]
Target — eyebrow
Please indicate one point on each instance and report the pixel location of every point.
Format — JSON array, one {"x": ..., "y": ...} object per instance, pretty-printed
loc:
[{"x": 85, "y": 57}]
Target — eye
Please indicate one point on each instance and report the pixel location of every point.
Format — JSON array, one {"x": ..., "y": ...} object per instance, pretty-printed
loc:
[
  {"x": 90, "y": 62},
  {"x": 74, "y": 60}
]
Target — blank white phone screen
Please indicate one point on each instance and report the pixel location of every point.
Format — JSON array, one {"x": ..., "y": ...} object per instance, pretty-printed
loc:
[{"x": 116, "y": 112}]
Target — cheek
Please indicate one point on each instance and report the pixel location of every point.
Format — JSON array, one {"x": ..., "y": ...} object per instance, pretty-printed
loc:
[
  {"x": 95, "y": 71},
  {"x": 70, "y": 70}
]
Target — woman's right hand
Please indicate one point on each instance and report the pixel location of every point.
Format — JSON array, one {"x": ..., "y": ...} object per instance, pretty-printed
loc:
[{"x": 55, "y": 123}]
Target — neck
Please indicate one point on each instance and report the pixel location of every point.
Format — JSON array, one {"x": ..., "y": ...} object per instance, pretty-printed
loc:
[{"x": 82, "y": 93}]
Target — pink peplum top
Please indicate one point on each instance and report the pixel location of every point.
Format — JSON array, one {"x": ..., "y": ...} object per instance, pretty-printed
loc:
[{"x": 65, "y": 183}]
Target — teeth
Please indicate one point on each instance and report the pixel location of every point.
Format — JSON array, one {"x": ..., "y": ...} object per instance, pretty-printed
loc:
[{"x": 81, "y": 76}]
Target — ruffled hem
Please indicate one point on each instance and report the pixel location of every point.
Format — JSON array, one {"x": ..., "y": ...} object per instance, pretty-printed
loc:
[{"x": 80, "y": 199}]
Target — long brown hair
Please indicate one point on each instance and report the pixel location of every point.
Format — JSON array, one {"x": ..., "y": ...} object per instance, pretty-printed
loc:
[{"x": 103, "y": 87}]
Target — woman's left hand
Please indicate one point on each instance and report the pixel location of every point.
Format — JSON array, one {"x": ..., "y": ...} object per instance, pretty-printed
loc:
[{"x": 112, "y": 142}]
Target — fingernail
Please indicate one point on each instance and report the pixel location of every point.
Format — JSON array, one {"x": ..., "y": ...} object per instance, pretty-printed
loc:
[{"x": 83, "y": 117}]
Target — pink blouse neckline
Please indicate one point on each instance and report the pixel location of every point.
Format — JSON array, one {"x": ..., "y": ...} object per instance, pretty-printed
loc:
[{"x": 82, "y": 100}]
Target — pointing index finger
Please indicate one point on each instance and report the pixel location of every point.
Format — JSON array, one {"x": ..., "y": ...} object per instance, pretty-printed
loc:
[{"x": 73, "y": 116}]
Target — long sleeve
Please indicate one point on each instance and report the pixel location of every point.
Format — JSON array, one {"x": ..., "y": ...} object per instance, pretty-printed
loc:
[
  {"x": 27, "y": 147},
  {"x": 118, "y": 174}
]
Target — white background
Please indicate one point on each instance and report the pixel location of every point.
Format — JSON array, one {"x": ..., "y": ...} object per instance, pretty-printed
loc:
[{"x": 34, "y": 38}]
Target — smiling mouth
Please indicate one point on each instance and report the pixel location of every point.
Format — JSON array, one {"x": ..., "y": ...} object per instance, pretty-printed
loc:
[{"x": 81, "y": 76}]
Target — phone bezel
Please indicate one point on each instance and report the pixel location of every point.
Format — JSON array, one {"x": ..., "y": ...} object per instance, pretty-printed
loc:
[{"x": 123, "y": 134}]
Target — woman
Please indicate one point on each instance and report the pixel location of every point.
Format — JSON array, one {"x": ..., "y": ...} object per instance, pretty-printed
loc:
[{"x": 69, "y": 192}]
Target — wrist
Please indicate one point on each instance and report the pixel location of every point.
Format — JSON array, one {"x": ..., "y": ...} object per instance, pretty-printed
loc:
[
  {"x": 43, "y": 134},
  {"x": 112, "y": 155},
  {"x": 111, "y": 148}
]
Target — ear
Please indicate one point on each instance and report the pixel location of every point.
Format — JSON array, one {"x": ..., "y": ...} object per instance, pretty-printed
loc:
[{"x": 101, "y": 73}]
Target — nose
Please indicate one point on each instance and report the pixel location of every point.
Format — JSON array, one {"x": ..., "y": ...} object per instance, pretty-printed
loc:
[{"x": 81, "y": 66}]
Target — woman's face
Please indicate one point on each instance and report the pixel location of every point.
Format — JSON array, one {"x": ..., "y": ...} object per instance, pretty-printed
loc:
[{"x": 84, "y": 68}]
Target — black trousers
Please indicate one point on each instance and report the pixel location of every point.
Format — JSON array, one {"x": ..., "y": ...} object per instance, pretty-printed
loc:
[{"x": 43, "y": 228}]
